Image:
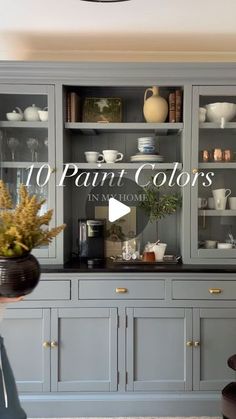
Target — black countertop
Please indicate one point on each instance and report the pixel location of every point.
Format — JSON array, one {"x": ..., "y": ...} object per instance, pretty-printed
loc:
[{"x": 74, "y": 266}]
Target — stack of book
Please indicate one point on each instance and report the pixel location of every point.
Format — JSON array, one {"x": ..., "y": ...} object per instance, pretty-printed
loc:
[
  {"x": 72, "y": 107},
  {"x": 175, "y": 106}
]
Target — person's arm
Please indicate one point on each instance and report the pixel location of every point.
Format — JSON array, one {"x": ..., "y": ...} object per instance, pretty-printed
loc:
[{"x": 10, "y": 300}]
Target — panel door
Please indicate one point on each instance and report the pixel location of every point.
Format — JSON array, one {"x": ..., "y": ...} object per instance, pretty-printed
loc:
[
  {"x": 157, "y": 354},
  {"x": 27, "y": 147},
  {"x": 214, "y": 337},
  {"x": 84, "y": 357},
  {"x": 25, "y": 331}
]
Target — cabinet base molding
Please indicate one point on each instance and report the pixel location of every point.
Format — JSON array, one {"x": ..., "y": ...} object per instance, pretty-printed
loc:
[{"x": 104, "y": 405}]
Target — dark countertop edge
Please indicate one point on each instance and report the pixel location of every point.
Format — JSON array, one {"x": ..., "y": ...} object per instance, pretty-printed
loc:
[{"x": 109, "y": 268}]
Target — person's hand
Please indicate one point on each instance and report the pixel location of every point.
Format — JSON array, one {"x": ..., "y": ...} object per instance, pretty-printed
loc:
[{"x": 11, "y": 299}]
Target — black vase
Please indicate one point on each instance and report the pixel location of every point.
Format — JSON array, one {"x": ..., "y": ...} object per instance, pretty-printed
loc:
[{"x": 19, "y": 275}]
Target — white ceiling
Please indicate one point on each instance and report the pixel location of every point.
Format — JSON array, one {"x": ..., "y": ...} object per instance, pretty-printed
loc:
[{"x": 38, "y": 29}]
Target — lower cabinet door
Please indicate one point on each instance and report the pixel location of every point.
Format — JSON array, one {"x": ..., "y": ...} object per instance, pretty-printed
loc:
[
  {"x": 26, "y": 334},
  {"x": 84, "y": 354},
  {"x": 214, "y": 338},
  {"x": 157, "y": 354}
]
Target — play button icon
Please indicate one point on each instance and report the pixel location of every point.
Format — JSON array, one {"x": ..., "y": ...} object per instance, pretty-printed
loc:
[{"x": 117, "y": 210}]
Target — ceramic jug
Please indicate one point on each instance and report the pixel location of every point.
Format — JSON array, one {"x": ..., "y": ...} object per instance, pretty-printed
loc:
[
  {"x": 155, "y": 108},
  {"x": 31, "y": 113}
]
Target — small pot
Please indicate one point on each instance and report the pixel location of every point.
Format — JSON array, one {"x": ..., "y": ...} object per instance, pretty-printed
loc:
[{"x": 19, "y": 275}]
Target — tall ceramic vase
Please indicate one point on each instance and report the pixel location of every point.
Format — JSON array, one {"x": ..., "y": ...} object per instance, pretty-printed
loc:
[
  {"x": 155, "y": 107},
  {"x": 18, "y": 275}
]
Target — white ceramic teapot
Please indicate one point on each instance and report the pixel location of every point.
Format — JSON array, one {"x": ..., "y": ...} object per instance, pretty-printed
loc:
[
  {"x": 15, "y": 115},
  {"x": 31, "y": 113}
]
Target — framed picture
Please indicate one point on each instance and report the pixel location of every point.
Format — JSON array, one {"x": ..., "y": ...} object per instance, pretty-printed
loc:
[{"x": 102, "y": 110}]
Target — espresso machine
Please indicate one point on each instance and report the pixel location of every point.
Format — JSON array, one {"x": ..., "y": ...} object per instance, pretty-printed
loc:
[{"x": 91, "y": 241}]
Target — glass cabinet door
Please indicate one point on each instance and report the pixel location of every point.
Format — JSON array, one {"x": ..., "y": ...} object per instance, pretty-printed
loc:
[
  {"x": 213, "y": 194},
  {"x": 27, "y": 145}
]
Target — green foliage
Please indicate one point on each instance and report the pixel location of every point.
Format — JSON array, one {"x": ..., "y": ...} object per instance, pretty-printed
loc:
[{"x": 158, "y": 205}]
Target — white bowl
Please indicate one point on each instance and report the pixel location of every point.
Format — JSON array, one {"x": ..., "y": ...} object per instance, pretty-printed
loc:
[
  {"x": 14, "y": 116},
  {"x": 217, "y": 111},
  {"x": 224, "y": 245}
]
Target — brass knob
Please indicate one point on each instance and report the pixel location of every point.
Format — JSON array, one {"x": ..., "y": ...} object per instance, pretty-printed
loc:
[
  {"x": 189, "y": 343},
  {"x": 54, "y": 344},
  {"x": 196, "y": 344},
  {"x": 46, "y": 344},
  {"x": 53, "y": 170},
  {"x": 121, "y": 290},
  {"x": 194, "y": 171},
  {"x": 215, "y": 290}
]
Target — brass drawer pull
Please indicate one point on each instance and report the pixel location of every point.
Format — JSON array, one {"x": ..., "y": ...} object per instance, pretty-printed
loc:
[
  {"x": 196, "y": 344},
  {"x": 121, "y": 290},
  {"x": 215, "y": 290},
  {"x": 189, "y": 344},
  {"x": 54, "y": 344}
]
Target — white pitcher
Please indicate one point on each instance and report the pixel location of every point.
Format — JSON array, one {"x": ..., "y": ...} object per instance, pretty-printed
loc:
[{"x": 220, "y": 198}]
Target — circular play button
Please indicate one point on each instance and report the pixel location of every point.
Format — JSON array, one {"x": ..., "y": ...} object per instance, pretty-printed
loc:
[{"x": 118, "y": 202}]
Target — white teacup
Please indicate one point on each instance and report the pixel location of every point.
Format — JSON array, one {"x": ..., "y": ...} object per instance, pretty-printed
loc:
[
  {"x": 112, "y": 156},
  {"x": 232, "y": 203},
  {"x": 93, "y": 157},
  {"x": 220, "y": 198}
]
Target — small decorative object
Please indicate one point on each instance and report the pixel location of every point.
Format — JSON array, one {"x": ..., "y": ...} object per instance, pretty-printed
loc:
[
  {"x": 21, "y": 230},
  {"x": 228, "y": 155},
  {"x": 31, "y": 113},
  {"x": 102, "y": 110},
  {"x": 15, "y": 115},
  {"x": 155, "y": 107},
  {"x": 217, "y": 154},
  {"x": 220, "y": 112},
  {"x": 159, "y": 206},
  {"x": 43, "y": 115},
  {"x": 205, "y": 155}
]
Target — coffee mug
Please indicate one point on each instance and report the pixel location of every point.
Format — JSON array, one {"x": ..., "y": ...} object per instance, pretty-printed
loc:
[
  {"x": 211, "y": 203},
  {"x": 202, "y": 203},
  {"x": 112, "y": 156},
  {"x": 232, "y": 203},
  {"x": 220, "y": 198},
  {"x": 93, "y": 157}
]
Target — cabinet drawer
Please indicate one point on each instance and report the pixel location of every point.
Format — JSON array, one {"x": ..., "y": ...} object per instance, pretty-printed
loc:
[
  {"x": 51, "y": 290},
  {"x": 121, "y": 289},
  {"x": 204, "y": 290}
]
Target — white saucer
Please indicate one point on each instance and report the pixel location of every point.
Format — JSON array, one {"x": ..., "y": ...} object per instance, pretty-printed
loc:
[{"x": 146, "y": 158}]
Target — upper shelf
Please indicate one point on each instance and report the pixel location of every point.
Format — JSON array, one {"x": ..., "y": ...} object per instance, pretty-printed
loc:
[
  {"x": 128, "y": 166},
  {"x": 23, "y": 124},
  {"x": 213, "y": 125},
  {"x": 217, "y": 213},
  {"x": 165, "y": 128}
]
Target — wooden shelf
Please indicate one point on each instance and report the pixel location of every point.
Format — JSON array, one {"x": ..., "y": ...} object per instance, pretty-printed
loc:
[
  {"x": 217, "y": 213},
  {"x": 213, "y": 125},
  {"x": 132, "y": 127},
  {"x": 23, "y": 124},
  {"x": 128, "y": 166},
  {"x": 213, "y": 165}
]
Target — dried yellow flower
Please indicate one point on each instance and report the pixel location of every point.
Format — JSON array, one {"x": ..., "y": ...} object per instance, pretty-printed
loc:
[{"x": 22, "y": 228}]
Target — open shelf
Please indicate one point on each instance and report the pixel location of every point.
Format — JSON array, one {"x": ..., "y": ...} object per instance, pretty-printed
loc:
[
  {"x": 128, "y": 166},
  {"x": 214, "y": 165},
  {"x": 23, "y": 124},
  {"x": 217, "y": 213},
  {"x": 125, "y": 127}
]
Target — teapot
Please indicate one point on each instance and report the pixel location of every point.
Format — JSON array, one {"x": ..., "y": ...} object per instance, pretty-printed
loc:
[
  {"x": 31, "y": 113},
  {"x": 155, "y": 107},
  {"x": 15, "y": 115}
]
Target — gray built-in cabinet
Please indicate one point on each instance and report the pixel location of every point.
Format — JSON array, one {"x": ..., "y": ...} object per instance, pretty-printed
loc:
[{"x": 80, "y": 345}]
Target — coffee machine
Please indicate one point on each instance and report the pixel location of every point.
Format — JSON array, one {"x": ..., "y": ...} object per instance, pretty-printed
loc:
[{"x": 91, "y": 241}]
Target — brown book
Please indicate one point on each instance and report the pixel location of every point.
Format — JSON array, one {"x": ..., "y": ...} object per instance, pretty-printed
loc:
[
  {"x": 178, "y": 114},
  {"x": 172, "y": 107},
  {"x": 68, "y": 107},
  {"x": 75, "y": 106}
]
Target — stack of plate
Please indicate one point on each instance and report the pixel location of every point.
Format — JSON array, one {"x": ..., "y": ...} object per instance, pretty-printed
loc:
[{"x": 147, "y": 153}]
